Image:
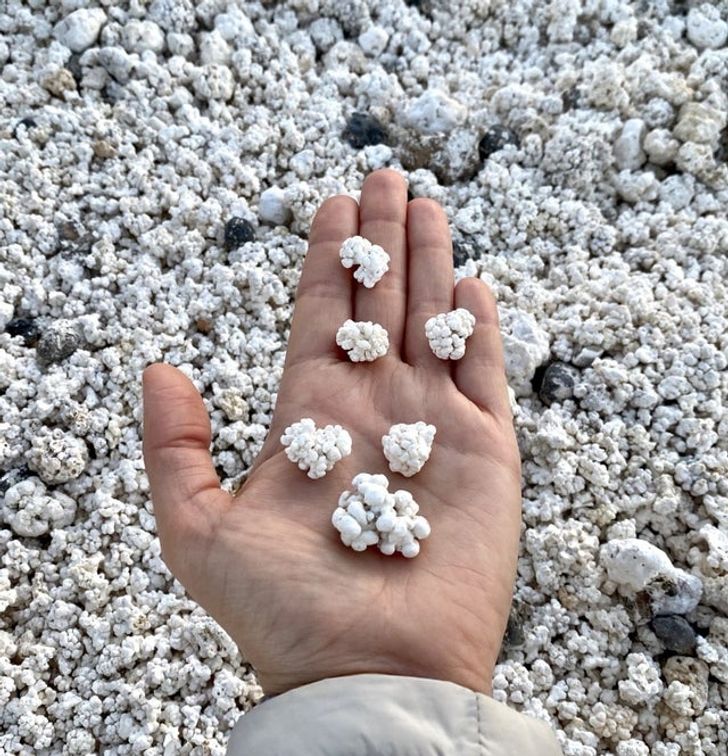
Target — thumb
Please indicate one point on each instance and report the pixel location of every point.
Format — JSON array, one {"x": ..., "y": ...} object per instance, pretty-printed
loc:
[{"x": 185, "y": 489}]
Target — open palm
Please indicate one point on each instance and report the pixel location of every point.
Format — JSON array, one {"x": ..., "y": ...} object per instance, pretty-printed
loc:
[{"x": 266, "y": 563}]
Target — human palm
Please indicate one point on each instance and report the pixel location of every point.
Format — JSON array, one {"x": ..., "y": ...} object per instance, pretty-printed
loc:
[{"x": 266, "y": 562}]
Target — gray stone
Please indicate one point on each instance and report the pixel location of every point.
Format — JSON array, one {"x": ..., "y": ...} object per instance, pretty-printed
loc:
[
  {"x": 58, "y": 341},
  {"x": 675, "y": 633},
  {"x": 558, "y": 382}
]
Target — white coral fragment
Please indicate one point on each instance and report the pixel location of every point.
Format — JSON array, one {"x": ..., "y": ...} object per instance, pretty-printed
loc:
[
  {"x": 448, "y": 331},
  {"x": 373, "y": 260},
  {"x": 31, "y": 511},
  {"x": 313, "y": 449},
  {"x": 639, "y": 565},
  {"x": 57, "y": 456},
  {"x": 372, "y": 516},
  {"x": 363, "y": 340},
  {"x": 407, "y": 446}
]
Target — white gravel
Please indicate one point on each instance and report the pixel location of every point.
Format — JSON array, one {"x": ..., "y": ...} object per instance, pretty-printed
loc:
[{"x": 131, "y": 133}]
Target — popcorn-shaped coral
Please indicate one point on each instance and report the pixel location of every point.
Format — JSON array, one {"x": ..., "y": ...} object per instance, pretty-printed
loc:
[
  {"x": 31, "y": 511},
  {"x": 363, "y": 340},
  {"x": 313, "y": 449},
  {"x": 372, "y": 516},
  {"x": 448, "y": 331},
  {"x": 373, "y": 260},
  {"x": 56, "y": 456},
  {"x": 407, "y": 446}
]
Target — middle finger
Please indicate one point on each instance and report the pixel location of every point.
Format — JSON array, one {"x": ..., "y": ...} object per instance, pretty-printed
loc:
[{"x": 383, "y": 220}]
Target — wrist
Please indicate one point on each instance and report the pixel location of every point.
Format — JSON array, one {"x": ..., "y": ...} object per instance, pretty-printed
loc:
[{"x": 473, "y": 679}]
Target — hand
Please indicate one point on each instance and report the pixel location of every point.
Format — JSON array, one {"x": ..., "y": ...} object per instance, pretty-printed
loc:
[{"x": 267, "y": 563}]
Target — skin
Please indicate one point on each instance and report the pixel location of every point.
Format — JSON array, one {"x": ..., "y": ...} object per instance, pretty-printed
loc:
[{"x": 266, "y": 562}]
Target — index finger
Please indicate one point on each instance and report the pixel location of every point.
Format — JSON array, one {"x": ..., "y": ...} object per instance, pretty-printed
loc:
[{"x": 324, "y": 299}]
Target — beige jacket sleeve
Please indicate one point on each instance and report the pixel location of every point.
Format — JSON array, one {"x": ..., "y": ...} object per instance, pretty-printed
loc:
[{"x": 388, "y": 715}]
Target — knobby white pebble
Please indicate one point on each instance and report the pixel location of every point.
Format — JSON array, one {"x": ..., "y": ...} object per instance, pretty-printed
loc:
[
  {"x": 407, "y": 446},
  {"x": 363, "y": 340},
  {"x": 80, "y": 29},
  {"x": 313, "y": 449},
  {"x": 372, "y": 516},
  {"x": 448, "y": 331},
  {"x": 373, "y": 260}
]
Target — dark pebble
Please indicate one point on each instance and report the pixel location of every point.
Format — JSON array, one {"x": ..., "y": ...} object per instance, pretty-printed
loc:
[
  {"x": 721, "y": 151},
  {"x": 58, "y": 341},
  {"x": 461, "y": 252},
  {"x": 675, "y": 633},
  {"x": 570, "y": 99},
  {"x": 237, "y": 232},
  {"x": 558, "y": 382},
  {"x": 423, "y": 6},
  {"x": 68, "y": 230},
  {"x": 25, "y": 327},
  {"x": 514, "y": 637},
  {"x": 496, "y": 138},
  {"x": 72, "y": 240},
  {"x": 363, "y": 129},
  {"x": 74, "y": 66},
  {"x": 11, "y": 478}
]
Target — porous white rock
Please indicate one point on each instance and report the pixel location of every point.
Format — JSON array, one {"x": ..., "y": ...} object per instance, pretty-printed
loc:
[
  {"x": 363, "y": 341},
  {"x": 57, "y": 456},
  {"x": 705, "y": 27},
  {"x": 31, "y": 511},
  {"x": 643, "y": 685},
  {"x": 678, "y": 191},
  {"x": 6, "y": 314},
  {"x": 628, "y": 147},
  {"x": 636, "y": 186},
  {"x": 686, "y": 691},
  {"x": 447, "y": 333},
  {"x": 316, "y": 450},
  {"x": 660, "y": 146},
  {"x": 214, "y": 82},
  {"x": 525, "y": 346},
  {"x": 373, "y": 40},
  {"x": 141, "y": 35},
  {"x": 435, "y": 112},
  {"x": 371, "y": 259},
  {"x": 699, "y": 122},
  {"x": 407, "y": 446},
  {"x": 370, "y": 515},
  {"x": 80, "y": 28},
  {"x": 214, "y": 48},
  {"x": 639, "y": 565},
  {"x": 632, "y": 747}
]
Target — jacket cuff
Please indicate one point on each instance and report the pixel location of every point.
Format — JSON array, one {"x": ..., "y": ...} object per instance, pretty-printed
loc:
[{"x": 364, "y": 715}]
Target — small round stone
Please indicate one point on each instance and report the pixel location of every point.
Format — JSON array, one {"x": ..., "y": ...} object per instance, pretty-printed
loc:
[
  {"x": 25, "y": 327},
  {"x": 237, "y": 232},
  {"x": 558, "y": 383},
  {"x": 58, "y": 341},
  {"x": 363, "y": 130},
  {"x": 496, "y": 138},
  {"x": 675, "y": 632}
]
